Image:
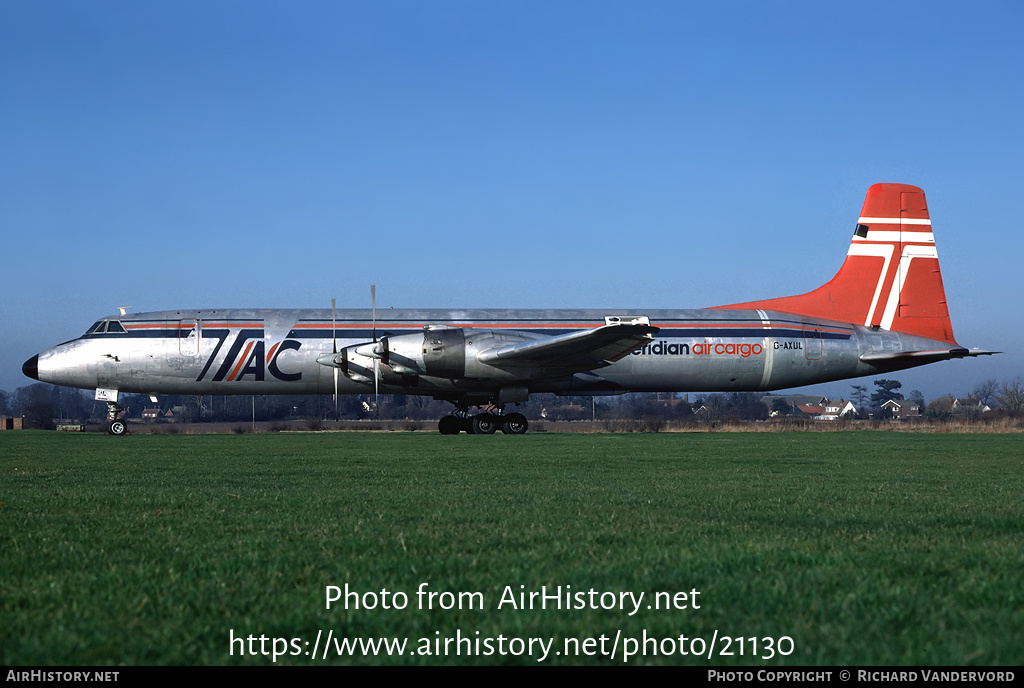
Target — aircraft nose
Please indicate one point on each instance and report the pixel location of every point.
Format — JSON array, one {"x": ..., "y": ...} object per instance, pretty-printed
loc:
[{"x": 31, "y": 367}]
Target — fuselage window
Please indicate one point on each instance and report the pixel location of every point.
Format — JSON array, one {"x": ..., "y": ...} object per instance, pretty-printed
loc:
[{"x": 114, "y": 326}]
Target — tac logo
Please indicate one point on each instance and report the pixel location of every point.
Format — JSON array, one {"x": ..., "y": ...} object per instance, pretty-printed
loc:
[{"x": 247, "y": 356}]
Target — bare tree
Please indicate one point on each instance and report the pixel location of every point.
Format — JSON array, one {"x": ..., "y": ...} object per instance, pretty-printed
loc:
[
  {"x": 940, "y": 408},
  {"x": 1011, "y": 399},
  {"x": 917, "y": 397},
  {"x": 859, "y": 397},
  {"x": 985, "y": 392},
  {"x": 38, "y": 404}
]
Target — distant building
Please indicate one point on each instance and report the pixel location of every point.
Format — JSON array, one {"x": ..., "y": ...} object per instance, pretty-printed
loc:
[
  {"x": 969, "y": 407},
  {"x": 815, "y": 407},
  {"x": 798, "y": 403},
  {"x": 834, "y": 410},
  {"x": 902, "y": 409}
]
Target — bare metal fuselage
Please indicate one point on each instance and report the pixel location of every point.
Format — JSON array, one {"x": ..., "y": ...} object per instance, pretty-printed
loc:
[
  {"x": 884, "y": 310},
  {"x": 249, "y": 351}
]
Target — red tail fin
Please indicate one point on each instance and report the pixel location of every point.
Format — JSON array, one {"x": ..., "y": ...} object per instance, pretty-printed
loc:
[{"x": 891, "y": 276}]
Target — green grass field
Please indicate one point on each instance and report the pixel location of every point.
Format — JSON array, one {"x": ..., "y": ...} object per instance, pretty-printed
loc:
[{"x": 864, "y": 548}]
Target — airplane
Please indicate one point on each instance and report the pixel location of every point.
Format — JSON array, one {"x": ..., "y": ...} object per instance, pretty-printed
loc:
[{"x": 885, "y": 310}]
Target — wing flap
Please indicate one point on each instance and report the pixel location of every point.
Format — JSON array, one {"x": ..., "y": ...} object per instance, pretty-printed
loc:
[{"x": 581, "y": 350}]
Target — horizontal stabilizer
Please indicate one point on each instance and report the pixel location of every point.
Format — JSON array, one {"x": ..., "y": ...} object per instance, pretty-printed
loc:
[
  {"x": 924, "y": 356},
  {"x": 580, "y": 350}
]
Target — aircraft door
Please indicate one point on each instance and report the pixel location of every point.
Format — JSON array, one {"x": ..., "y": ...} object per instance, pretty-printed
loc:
[
  {"x": 188, "y": 337},
  {"x": 106, "y": 372},
  {"x": 812, "y": 340},
  {"x": 182, "y": 352}
]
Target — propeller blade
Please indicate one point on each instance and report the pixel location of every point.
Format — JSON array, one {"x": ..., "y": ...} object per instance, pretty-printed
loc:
[
  {"x": 376, "y": 386},
  {"x": 334, "y": 350},
  {"x": 376, "y": 363}
]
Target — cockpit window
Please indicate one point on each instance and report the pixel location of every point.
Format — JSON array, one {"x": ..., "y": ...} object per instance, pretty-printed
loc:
[{"x": 106, "y": 326}]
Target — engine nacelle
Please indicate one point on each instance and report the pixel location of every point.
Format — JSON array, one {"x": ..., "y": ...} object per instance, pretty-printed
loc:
[
  {"x": 437, "y": 352},
  {"x": 442, "y": 352}
]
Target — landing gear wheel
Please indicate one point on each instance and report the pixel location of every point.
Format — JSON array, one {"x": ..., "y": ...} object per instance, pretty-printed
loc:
[
  {"x": 449, "y": 425},
  {"x": 117, "y": 427},
  {"x": 485, "y": 424},
  {"x": 514, "y": 424}
]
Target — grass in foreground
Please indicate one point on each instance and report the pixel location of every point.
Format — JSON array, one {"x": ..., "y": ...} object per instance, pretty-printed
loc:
[{"x": 864, "y": 548}]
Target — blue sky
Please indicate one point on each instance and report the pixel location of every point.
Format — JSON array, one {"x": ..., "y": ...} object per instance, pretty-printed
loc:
[{"x": 502, "y": 154}]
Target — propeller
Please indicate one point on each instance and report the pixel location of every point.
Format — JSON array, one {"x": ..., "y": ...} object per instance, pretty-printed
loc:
[
  {"x": 376, "y": 362},
  {"x": 334, "y": 350}
]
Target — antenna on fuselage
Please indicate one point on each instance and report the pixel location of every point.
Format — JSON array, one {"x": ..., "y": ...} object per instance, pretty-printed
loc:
[{"x": 123, "y": 309}]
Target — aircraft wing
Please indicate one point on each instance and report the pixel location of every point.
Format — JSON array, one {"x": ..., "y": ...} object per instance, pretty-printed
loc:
[
  {"x": 924, "y": 356},
  {"x": 582, "y": 350}
]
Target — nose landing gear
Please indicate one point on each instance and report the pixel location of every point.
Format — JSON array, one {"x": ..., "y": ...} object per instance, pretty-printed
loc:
[{"x": 115, "y": 425}]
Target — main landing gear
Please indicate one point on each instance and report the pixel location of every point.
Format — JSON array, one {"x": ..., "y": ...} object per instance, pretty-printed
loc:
[
  {"x": 115, "y": 425},
  {"x": 486, "y": 423}
]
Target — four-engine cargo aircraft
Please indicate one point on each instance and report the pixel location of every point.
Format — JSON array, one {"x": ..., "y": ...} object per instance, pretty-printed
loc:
[{"x": 884, "y": 310}]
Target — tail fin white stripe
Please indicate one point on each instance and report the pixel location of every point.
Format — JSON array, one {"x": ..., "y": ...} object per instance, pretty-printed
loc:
[
  {"x": 909, "y": 253},
  {"x": 897, "y": 237},
  {"x": 883, "y": 251},
  {"x": 892, "y": 221}
]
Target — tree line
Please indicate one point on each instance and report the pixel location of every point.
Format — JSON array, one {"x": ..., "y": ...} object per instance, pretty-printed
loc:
[
  {"x": 1003, "y": 399},
  {"x": 43, "y": 405}
]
